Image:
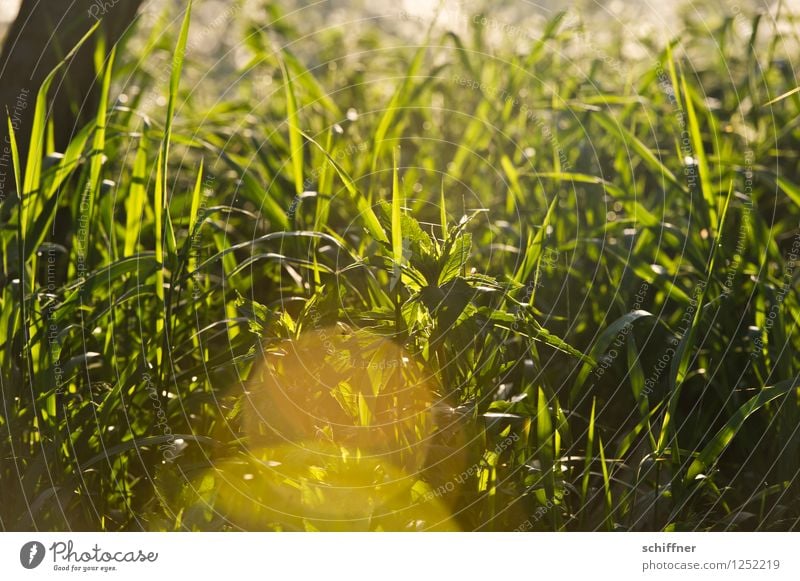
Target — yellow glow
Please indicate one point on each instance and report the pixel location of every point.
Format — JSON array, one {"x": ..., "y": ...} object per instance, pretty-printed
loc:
[
  {"x": 296, "y": 488},
  {"x": 358, "y": 391},
  {"x": 338, "y": 427}
]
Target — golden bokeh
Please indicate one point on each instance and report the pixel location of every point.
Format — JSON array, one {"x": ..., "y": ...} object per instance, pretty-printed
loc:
[
  {"x": 338, "y": 425},
  {"x": 356, "y": 390},
  {"x": 314, "y": 488}
]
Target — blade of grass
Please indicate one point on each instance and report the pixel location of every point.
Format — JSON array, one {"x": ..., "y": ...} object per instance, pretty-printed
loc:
[
  {"x": 295, "y": 135},
  {"x": 698, "y": 149},
  {"x": 161, "y": 202},
  {"x": 589, "y": 450},
  {"x": 393, "y": 108},
  {"x": 609, "y": 500},
  {"x": 137, "y": 198},
  {"x": 371, "y": 221},
  {"x": 397, "y": 215},
  {"x": 711, "y": 452}
]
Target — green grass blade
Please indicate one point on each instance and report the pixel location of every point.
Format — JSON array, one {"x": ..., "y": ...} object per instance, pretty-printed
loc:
[
  {"x": 638, "y": 147},
  {"x": 98, "y": 143},
  {"x": 723, "y": 437},
  {"x": 443, "y": 212},
  {"x": 197, "y": 192},
  {"x": 698, "y": 149},
  {"x": 37, "y": 136},
  {"x": 388, "y": 119},
  {"x": 367, "y": 214},
  {"x": 295, "y": 135},
  {"x": 609, "y": 504},
  {"x": 397, "y": 215},
  {"x": 589, "y": 450},
  {"x": 137, "y": 198}
]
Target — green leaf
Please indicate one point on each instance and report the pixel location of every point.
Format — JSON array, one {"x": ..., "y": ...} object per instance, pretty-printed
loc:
[
  {"x": 456, "y": 259},
  {"x": 635, "y": 144},
  {"x": 137, "y": 198},
  {"x": 295, "y": 135},
  {"x": 395, "y": 106},
  {"x": 604, "y": 340},
  {"x": 362, "y": 204},
  {"x": 711, "y": 452},
  {"x": 790, "y": 189},
  {"x": 98, "y": 145},
  {"x": 397, "y": 213},
  {"x": 196, "y": 194}
]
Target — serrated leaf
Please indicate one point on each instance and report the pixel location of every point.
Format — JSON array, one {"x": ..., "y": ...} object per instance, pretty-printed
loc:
[{"x": 455, "y": 261}]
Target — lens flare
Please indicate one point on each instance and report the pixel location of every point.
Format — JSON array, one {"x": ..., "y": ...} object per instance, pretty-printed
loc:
[
  {"x": 360, "y": 391},
  {"x": 338, "y": 425},
  {"x": 320, "y": 488}
]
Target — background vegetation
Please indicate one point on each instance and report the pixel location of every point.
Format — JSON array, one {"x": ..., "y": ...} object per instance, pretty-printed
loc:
[{"x": 591, "y": 258}]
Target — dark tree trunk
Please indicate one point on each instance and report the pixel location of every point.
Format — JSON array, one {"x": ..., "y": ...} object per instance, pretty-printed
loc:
[{"x": 40, "y": 37}]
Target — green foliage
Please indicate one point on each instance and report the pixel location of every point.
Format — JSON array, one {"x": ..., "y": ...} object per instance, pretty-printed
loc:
[{"x": 599, "y": 274}]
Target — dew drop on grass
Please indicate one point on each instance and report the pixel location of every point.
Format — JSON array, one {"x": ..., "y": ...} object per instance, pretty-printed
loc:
[{"x": 352, "y": 114}]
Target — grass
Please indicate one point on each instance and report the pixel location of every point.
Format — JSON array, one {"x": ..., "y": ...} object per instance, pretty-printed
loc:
[{"x": 588, "y": 272}]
